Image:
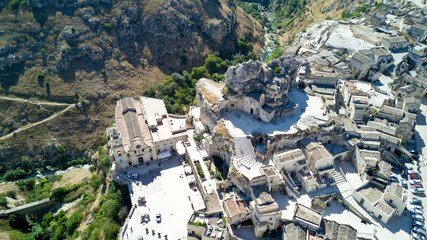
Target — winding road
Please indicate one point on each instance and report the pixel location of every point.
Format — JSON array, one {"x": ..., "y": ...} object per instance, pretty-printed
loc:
[{"x": 23, "y": 128}]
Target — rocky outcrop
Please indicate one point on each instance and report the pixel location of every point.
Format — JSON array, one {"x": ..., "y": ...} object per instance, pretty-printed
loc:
[{"x": 248, "y": 77}]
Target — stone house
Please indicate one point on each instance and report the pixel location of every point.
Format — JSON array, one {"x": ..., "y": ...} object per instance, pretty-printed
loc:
[
  {"x": 142, "y": 133},
  {"x": 418, "y": 32},
  {"x": 390, "y": 113},
  {"x": 370, "y": 197},
  {"x": 359, "y": 108},
  {"x": 406, "y": 91},
  {"x": 307, "y": 217},
  {"x": 236, "y": 210},
  {"x": 265, "y": 213},
  {"x": 367, "y": 64},
  {"x": 319, "y": 159},
  {"x": 406, "y": 126},
  {"x": 206, "y": 227},
  {"x": 416, "y": 57},
  {"x": 361, "y": 65},
  {"x": 307, "y": 179},
  {"x": 379, "y": 139},
  {"x": 290, "y": 160},
  {"x": 365, "y": 159},
  {"x": 274, "y": 179},
  {"x": 394, "y": 43},
  {"x": 419, "y": 82},
  {"x": 396, "y": 196},
  {"x": 411, "y": 104}
]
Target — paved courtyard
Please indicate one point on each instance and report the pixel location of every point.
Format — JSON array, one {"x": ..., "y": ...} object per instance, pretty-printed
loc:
[{"x": 165, "y": 193}]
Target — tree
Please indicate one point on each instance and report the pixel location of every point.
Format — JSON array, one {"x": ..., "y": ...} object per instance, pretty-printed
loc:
[
  {"x": 73, "y": 222},
  {"x": 110, "y": 209},
  {"x": 13, "y": 221},
  {"x": 199, "y": 72},
  {"x": 58, "y": 194},
  {"x": 198, "y": 137},
  {"x": 218, "y": 175},
  {"x": 3, "y": 201}
]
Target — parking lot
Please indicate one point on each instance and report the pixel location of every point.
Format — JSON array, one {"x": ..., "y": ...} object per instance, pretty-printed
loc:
[{"x": 166, "y": 192}]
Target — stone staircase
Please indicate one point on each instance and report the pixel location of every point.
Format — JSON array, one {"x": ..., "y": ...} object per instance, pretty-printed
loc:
[
  {"x": 244, "y": 152},
  {"x": 346, "y": 192}
]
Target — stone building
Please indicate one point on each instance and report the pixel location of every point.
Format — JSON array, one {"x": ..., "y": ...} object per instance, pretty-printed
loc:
[
  {"x": 289, "y": 161},
  {"x": 143, "y": 132},
  {"x": 367, "y": 64},
  {"x": 418, "y": 32},
  {"x": 359, "y": 108},
  {"x": 236, "y": 210},
  {"x": 307, "y": 217},
  {"x": 266, "y": 215},
  {"x": 396, "y": 196},
  {"x": 251, "y": 87},
  {"x": 394, "y": 43},
  {"x": 319, "y": 159}
]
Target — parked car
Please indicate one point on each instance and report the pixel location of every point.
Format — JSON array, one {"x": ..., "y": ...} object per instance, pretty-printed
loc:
[
  {"x": 418, "y": 217},
  {"x": 413, "y": 151},
  {"x": 417, "y": 186},
  {"x": 404, "y": 173},
  {"x": 393, "y": 179},
  {"x": 415, "y": 176},
  {"x": 417, "y": 236},
  {"x": 158, "y": 217},
  {"x": 420, "y": 230},
  {"x": 395, "y": 169},
  {"x": 417, "y": 190},
  {"x": 416, "y": 201},
  {"x": 415, "y": 181},
  {"x": 416, "y": 207},
  {"x": 412, "y": 171},
  {"x": 416, "y": 223},
  {"x": 404, "y": 183},
  {"x": 416, "y": 211}
]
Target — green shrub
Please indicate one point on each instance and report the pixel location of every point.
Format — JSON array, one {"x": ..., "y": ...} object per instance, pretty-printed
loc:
[
  {"x": 73, "y": 222},
  {"x": 3, "y": 201},
  {"x": 16, "y": 174},
  {"x": 11, "y": 194},
  {"x": 58, "y": 194},
  {"x": 61, "y": 149},
  {"x": 277, "y": 70},
  {"x": 14, "y": 4},
  {"x": 40, "y": 76},
  {"x": 13, "y": 221},
  {"x": 218, "y": 176},
  {"x": 198, "y": 137},
  {"x": 107, "y": 26}
]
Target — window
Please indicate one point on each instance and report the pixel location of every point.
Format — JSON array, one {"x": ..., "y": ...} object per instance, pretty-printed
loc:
[
  {"x": 130, "y": 163},
  {"x": 379, "y": 216},
  {"x": 362, "y": 201}
]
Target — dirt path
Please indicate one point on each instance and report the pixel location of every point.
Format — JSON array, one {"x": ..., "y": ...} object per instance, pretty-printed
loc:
[
  {"x": 33, "y": 102},
  {"x": 39, "y": 122}
]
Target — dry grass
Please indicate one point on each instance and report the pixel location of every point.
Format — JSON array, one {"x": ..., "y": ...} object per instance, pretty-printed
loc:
[
  {"x": 312, "y": 15},
  {"x": 72, "y": 177},
  {"x": 222, "y": 130},
  {"x": 208, "y": 95},
  {"x": 8, "y": 186}
]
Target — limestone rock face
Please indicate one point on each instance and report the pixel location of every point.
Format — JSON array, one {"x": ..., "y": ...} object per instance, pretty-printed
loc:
[{"x": 248, "y": 77}]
